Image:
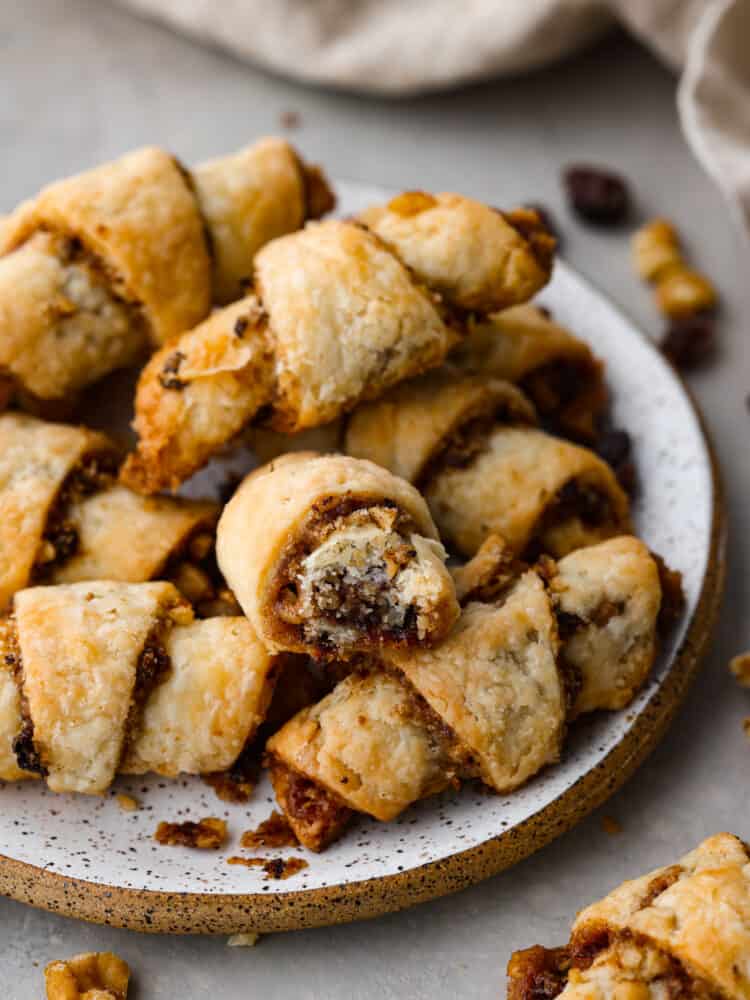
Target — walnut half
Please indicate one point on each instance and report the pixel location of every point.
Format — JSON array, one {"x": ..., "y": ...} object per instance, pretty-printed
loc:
[{"x": 96, "y": 975}]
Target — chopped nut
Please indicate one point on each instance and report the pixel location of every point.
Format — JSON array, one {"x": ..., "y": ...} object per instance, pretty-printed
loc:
[
  {"x": 656, "y": 249},
  {"x": 207, "y": 834},
  {"x": 682, "y": 292},
  {"x": 127, "y": 803},
  {"x": 248, "y": 939},
  {"x": 611, "y": 826},
  {"x": 740, "y": 667},
  {"x": 596, "y": 195},
  {"x": 92, "y": 976}
]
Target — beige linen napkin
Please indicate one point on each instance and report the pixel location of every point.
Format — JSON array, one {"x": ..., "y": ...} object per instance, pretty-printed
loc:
[{"x": 411, "y": 46}]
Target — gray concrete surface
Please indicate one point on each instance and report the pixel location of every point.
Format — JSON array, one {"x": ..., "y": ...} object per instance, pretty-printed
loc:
[{"x": 81, "y": 81}]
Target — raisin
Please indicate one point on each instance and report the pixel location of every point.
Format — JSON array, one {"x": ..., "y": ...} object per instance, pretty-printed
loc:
[
  {"x": 596, "y": 195},
  {"x": 689, "y": 343}
]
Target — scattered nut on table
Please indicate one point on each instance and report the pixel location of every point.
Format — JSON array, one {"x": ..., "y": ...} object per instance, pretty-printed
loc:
[
  {"x": 740, "y": 667},
  {"x": 96, "y": 975}
]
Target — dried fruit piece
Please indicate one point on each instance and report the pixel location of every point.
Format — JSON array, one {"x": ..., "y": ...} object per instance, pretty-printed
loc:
[
  {"x": 597, "y": 195},
  {"x": 688, "y": 343}
]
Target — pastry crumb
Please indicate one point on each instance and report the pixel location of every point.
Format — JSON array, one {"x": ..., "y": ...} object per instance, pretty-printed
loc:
[
  {"x": 740, "y": 667},
  {"x": 128, "y": 803},
  {"x": 272, "y": 832},
  {"x": 275, "y": 868},
  {"x": 99, "y": 974},
  {"x": 611, "y": 826},
  {"x": 248, "y": 939},
  {"x": 209, "y": 833}
]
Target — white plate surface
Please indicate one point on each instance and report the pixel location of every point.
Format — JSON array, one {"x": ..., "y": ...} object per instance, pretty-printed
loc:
[{"x": 94, "y": 840}]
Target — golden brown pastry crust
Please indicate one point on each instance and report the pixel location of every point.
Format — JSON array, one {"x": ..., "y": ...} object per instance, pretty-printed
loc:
[
  {"x": 80, "y": 647},
  {"x": 495, "y": 683},
  {"x": 345, "y": 320},
  {"x": 139, "y": 216},
  {"x": 472, "y": 254},
  {"x": 211, "y": 703},
  {"x": 61, "y": 324},
  {"x": 607, "y": 597},
  {"x": 536, "y": 491},
  {"x": 197, "y": 393},
  {"x": 99, "y": 266},
  {"x": 286, "y": 515},
  {"x": 74, "y": 669},
  {"x": 249, "y": 198},
  {"x": 350, "y": 324},
  {"x": 35, "y": 460},
  {"x": 697, "y": 911},
  {"x": 556, "y": 369},
  {"x": 362, "y": 744},
  {"x": 409, "y": 429},
  {"x": 686, "y": 924},
  {"x": 128, "y": 537}
]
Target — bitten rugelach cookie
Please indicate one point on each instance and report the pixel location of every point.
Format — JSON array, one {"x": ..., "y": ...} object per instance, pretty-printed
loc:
[{"x": 491, "y": 701}]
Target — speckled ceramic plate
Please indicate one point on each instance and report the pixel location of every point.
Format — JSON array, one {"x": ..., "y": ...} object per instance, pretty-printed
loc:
[{"x": 89, "y": 859}]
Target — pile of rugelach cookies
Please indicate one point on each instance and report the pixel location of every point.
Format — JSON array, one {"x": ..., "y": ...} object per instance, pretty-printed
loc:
[{"x": 407, "y": 400}]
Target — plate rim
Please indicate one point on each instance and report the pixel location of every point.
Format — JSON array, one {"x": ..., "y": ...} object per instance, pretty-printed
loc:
[{"x": 155, "y": 911}]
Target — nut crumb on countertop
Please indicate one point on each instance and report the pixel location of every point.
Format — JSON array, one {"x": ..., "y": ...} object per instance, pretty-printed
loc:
[
  {"x": 610, "y": 825},
  {"x": 740, "y": 667},
  {"x": 247, "y": 939},
  {"x": 275, "y": 868},
  {"x": 209, "y": 833},
  {"x": 99, "y": 974},
  {"x": 290, "y": 119},
  {"x": 272, "y": 832},
  {"x": 128, "y": 803}
]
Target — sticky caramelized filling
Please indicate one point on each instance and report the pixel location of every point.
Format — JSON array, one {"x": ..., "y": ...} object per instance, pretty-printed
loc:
[
  {"x": 316, "y": 816},
  {"x": 570, "y": 396},
  {"x": 459, "y": 448},
  {"x": 355, "y": 572},
  {"x": 60, "y": 540},
  {"x": 25, "y": 749},
  {"x": 151, "y": 670},
  {"x": 575, "y": 502}
]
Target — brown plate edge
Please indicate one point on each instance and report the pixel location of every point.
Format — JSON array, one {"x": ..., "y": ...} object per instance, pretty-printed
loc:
[{"x": 205, "y": 913}]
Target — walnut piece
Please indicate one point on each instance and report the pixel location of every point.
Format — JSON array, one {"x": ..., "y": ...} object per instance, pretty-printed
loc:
[
  {"x": 208, "y": 834},
  {"x": 680, "y": 292},
  {"x": 740, "y": 667},
  {"x": 96, "y": 975}
]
